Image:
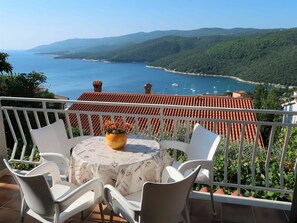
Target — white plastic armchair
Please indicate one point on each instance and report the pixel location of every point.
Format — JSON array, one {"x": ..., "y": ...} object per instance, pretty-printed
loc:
[
  {"x": 200, "y": 151},
  {"x": 163, "y": 202},
  {"x": 54, "y": 145},
  {"x": 58, "y": 202}
]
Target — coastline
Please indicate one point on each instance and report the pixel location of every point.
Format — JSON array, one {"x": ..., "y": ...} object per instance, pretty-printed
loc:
[
  {"x": 179, "y": 72},
  {"x": 216, "y": 75}
]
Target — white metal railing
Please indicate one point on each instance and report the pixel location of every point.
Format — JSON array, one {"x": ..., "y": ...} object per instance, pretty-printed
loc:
[{"x": 23, "y": 114}]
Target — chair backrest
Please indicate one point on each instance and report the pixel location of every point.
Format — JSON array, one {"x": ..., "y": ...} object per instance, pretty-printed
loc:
[
  {"x": 163, "y": 203},
  {"x": 203, "y": 144},
  {"x": 36, "y": 192},
  {"x": 52, "y": 138}
]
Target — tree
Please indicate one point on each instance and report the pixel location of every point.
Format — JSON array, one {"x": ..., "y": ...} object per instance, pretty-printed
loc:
[
  {"x": 264, "y": 98},
  {"x": 272, "y": 99},
  {"x": 22, "y": 85},
  {"x": 259, "y": 96},
  {"x": 4, "y": 65}
]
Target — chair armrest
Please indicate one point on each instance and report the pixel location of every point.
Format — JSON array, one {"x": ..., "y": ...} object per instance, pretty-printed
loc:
[
  {"x": 111, "y": 193},
  {"x": 182, "y": 146},
  {"x": 47, "y": 168},
  {"x": 94, "y": 185},
  {"x": 192, "y": 164},
  {"x": 74, "y": 141},
  {"x": 57, "y": 157},
  {"x": 170, "y": 172}
]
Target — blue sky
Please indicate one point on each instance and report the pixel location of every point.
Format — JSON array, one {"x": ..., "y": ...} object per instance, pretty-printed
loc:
[{"x": 28, "y": 23}]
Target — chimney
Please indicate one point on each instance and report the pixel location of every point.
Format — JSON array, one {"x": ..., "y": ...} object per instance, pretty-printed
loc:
[
  {"x": 148, "y": 88},
  {"x": 97, "y": 86},
  {"x": 238, "y": 94}
]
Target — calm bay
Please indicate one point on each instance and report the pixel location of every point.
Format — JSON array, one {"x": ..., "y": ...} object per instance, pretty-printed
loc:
[{"x": 72, "y": 77}]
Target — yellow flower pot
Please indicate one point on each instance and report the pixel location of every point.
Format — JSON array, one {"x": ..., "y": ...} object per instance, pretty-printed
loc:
[{"x": 116, "y": 141}]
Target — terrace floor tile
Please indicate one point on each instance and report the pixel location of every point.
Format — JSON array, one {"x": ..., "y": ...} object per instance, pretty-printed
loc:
[{"x": 200, "y": 211}]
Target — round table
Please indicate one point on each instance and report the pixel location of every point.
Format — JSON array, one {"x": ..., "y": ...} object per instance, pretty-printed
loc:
[{"x": 141, "y": 160}]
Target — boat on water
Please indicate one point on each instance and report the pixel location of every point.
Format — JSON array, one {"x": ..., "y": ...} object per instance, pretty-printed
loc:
[
  {"x": 215, "y": 90},
  {"x": 174, "y": 85}
]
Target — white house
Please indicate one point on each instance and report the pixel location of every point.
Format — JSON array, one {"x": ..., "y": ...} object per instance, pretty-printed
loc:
[{"x": 290, "y": 106}]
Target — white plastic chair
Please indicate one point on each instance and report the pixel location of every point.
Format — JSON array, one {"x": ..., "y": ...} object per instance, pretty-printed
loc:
[
  {"x": 58, "y": 202},
  {"x": 164, "y": 202},
  {"x": 54, "y": 145},
  {"x": 200, "y": 151}
]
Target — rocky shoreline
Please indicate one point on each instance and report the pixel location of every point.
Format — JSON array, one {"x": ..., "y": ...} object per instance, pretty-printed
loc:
[{"x": 215, "y": 75}]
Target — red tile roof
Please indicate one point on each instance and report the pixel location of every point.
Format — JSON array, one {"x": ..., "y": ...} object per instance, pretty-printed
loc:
[{"x": 203, "y": 101}]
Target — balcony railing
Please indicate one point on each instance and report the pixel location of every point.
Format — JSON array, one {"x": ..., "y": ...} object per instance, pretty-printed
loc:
[{"x": 267, "y": 145}]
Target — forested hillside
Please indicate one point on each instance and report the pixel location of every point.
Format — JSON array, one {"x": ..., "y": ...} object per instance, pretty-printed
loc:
[
  {"x": 152, "y": 50},
  {"x": 268, "y": 58}
]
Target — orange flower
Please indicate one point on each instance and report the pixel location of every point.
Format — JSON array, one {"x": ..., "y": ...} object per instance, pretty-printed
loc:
[{"x": 117, "y": 127}]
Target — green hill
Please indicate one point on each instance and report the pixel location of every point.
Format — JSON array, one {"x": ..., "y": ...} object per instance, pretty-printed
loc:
[
  {"x": 151, "y": 50},
  {"x": 268, "y": 58}
]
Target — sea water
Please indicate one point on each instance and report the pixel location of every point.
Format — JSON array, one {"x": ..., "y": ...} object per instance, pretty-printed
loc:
[{"x": 72, "y": 77}]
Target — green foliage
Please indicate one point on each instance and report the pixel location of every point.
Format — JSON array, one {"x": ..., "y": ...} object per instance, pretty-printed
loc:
[
  {"x": 236, "y": 163},
  {"x": 265, "y": 98},
  {"x": 76, "y": 132},
  {"x": 177, "y": 155},
  {"x": 246, "y": 169},
  {"x": 24, "y": 166},
  {"x": 23, "y": 85},
  {"x": 259, "y": 95},
  {"x": 291, "y": 153},
  {"x": 180, "y": 136},
  {"x": 4, "y": 65},
  {"x": 268, "y": 58}
]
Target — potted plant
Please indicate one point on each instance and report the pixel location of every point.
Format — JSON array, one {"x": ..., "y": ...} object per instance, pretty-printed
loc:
[{"x": 117, "y": 133}]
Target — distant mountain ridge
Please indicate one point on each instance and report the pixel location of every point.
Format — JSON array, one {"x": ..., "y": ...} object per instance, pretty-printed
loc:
[{"x": 75, "y": 45}]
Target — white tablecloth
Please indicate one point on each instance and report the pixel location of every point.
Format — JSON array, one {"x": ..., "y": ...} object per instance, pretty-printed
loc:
[{"x": 141, "y": 160}]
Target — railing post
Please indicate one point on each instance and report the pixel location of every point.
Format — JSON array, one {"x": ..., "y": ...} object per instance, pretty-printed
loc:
[
  {"x": 293, "y": 213},
  {"x": 3, "y": 147}
]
